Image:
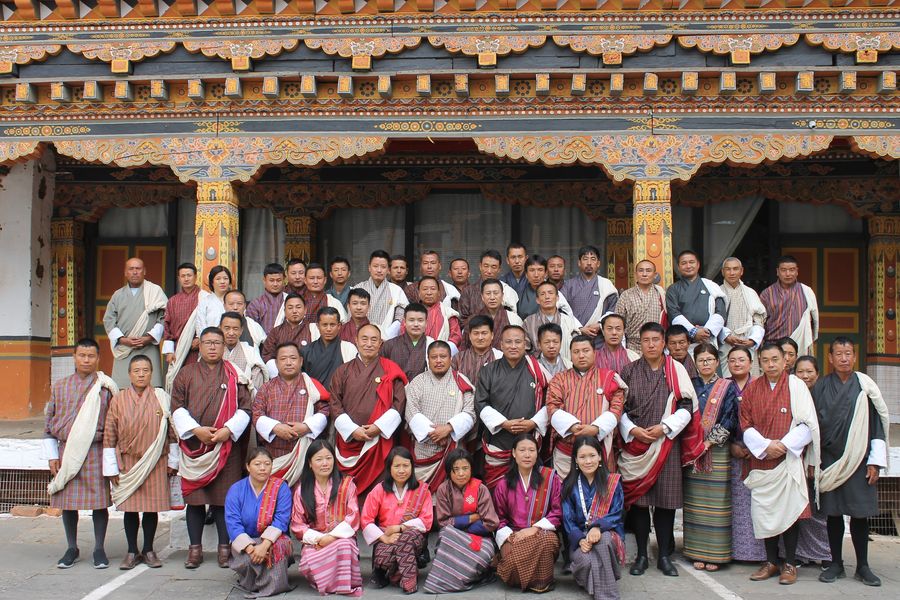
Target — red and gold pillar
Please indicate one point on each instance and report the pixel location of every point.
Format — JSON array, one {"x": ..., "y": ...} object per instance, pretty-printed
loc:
[
  {"x": 67, "y": 313},
  {"x": 652, "y": 223},
  {"x": 217, "y": 224},
  {"x": 884, "y": 245},
  {"x": 620, "y": 253},
  {"x": 299, "y": 237}
]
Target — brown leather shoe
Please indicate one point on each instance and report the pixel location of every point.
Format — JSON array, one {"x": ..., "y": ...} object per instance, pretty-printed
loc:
[
  {"x": 130, "y": 561},
  {"x": 788, "y": 575},
  {"x": 194, "y": 557},
  {"x": 152, "y": 560},
  {"x": 766, "y": 571},
  {"x": 223, "y": 554}
]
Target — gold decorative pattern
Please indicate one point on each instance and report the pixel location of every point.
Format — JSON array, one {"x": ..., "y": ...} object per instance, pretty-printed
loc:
[
  {"x": 11, "y": 152},
  {"x": 240, "y": 52},
  {"x": 67, "y": 247},
  {"x": 739, "y": 46},
  {"x": 487, "y": 47},
  {"x": 652, "y": 222},
  {"x": 10, "y": 56},
  {"x": 865, "y": 45},
  {"x": 120, "y": 55},
  {"x": 844, "y": 123},
  {"x": 369, "y": 46},
  {"x": 216, "y": 226},
  {"x": 881, "y": 146},
  {"x": 426, "y": 126},
  {"x": 612, "y": 47}
]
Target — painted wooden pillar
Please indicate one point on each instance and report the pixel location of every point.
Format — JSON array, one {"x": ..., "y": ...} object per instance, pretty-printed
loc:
[
  {"x": 216, "y": 225},
  {"x": 299, "y": 237},
  {"x": 652, "y": 222},
  {"x": 883, "y": 360},
  {"x": 67, "y": 314},
  {"x": 620, "y": 253}
]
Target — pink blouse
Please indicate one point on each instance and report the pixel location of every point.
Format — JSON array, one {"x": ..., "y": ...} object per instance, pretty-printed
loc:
[
  {"x": 311, "y": 531},
  {"x": 384, "y": 509}
]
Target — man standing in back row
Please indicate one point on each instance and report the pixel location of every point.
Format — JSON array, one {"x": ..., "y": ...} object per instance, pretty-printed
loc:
[
  {"x": 791, "y": 308},
  {"x": 695, "y": 303}
]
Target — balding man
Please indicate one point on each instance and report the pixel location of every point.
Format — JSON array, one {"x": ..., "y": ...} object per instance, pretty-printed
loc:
[
  {"x": 134, "y": 322},
  {"x": 745, "y": 315}
]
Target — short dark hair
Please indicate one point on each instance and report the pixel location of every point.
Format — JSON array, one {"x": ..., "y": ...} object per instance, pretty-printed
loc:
[
  {"x": 784, "y": 259},
  {"x": 743, "y": 349},
  {"x": 186, "y": 265},
  {"x": 457, "y": 259},
  {"x": 543, "y": 283},
  {"x": 770, "y": 346},
  {"x": 429, "y": 278},
  {"x": 388, "y": 482},
  {"x": 454, "y": 456},
  {"x": 359, "y": 293},
  {"x": 548, "y": 328},
  {"x": 552, "y": 256},
  {"x": 840, "y": 340},
  {"x": 339, "y": 259},
  {"x": 438, "y": 344},
  {"x": 675, "y": 330},
  {"x": 430, "y": 253},
  {"x": 686, "y": 252},
  {"x": 491, "y": 254},
  {"x": 233, "y": 315},
  {"x": 234, "y": 291},
  {"x": 400, "y": 257},
  {"x": 491, "y": 281},
  {"x": 514, "y": 328},
  {"x": 288, "y": 345},
  {"x": 512, "y": 475},
  {"x": 588, "y": 249},
  {"x": 481, "y": 321},
  {"x": 257, "y": 451},
  {"x": 140, "y": 358},
  {"x": 579, "y": 339},
  {"x": 705, "y": 347},
  {"x": 318, "y": 266},
  {"x": 87, "y": 342},
  {"x": 212, "y": 331},
  {"x": 515, "y": 246},
  {"x": 273, "y": 269},
  {"x": 328, "y": 311},
  {"x": 296, "y": 261},
  {"x": 215, "y": 271},
  {"x": 654, "y": 327},
  {"x": 807, "y": 358},
  {"x": 536, "y": 259},
  {"x": 415, "y": 307},
  {"x": 612, "y": 315},
  {"x": 790, "y": 342},
  {"x": 293, "y": 296}
]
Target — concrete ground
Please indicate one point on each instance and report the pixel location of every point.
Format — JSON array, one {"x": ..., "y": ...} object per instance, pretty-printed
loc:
[{"x": 31, "y": 547}]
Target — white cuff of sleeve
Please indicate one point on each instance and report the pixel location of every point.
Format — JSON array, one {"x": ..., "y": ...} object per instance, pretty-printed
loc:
[
  {"x": 492, "y": 419},
  {"x": 756, "y": 334},
  {"x": 541, "y": 420},
  {"x": 264, "y": 427},
  {"x": 115, "y": 335},
  {"x": 681, "y": 320},
  {"x": 393, "y": 330},
  {"x": 453, "y": 349},
  {"x": 723, "y": 334},
  {"x": 625, "y": 427},
  {"x": 563, "y": 421},
  {"x": 50, "y": 448},
  {"x": 462, "y": 424},
  {"x": 420, "y": 426},
  {"x": 168, "y": 347},
  {"x": 174, "y": 459},
  {"x": 271, "y": 533},
  {"x": 797, "y": 439},
  {"x": 343, "y": 530},
  {"x": 157, "y": 332},
  {"x": 606, "y": 423},
  {"x": 715, "y": 324},
  {"x": 677, "y": 422},
  {"x": 371, "y": 533},
  {"x": 110, "y": 462},
  {"x": 312, "y": 537},
  {"x": 545, "y": 525},
  {"x": 241, "y": 542},
  {"x": 272, "y": 368},
  {"x": 238, "y": 424},
  {"x": 184, "y": 423},
  {"x": 317, "y": 424},
  {"x": 416, "y": 524},
  {"x": 345, "y": 426},
  {"x": 877, "y": 454},
  {"x": 388, "y": 423},
  {"x": 755, "y": 443},
  {"x": 502, "y": 534}
]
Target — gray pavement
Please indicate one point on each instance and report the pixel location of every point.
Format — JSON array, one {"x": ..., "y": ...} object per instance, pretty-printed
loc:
[{"x": 30, "y": 547}]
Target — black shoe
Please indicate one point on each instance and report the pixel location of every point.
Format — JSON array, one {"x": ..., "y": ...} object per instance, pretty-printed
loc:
[
  {"x": 639, "y": 565},
  {"x": 379, "y": 579},
  {"x": 834, "y": 572},
  {"x": 100, "y": 560},
  {"x": 865, "y": 574},
  {"x": 665, "y": 565},
  {"x": 423, "y": 559},
  {"x": 68, "y": 559},
  {"x": 567, "y": 570}
]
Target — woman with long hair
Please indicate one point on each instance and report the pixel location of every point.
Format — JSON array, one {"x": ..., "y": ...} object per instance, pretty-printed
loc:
[
  {"x": 258, "y": 514},
  {"x": 707, "y": 486},
  {"x": 396, "y": 519},
  {"x": 466, "y": 515},
  {"x": 527, "y": 500},
  {"x": 593, "y": 509},
  {"x": 212, "y": 306},
  {"x": 325, "y": 519}
]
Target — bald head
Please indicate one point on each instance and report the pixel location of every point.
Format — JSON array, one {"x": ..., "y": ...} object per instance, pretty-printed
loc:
[
  {"x": 368, "y": 341},
  {"x": 732, "y": 271},
  {"x": 135, "y": 272}
]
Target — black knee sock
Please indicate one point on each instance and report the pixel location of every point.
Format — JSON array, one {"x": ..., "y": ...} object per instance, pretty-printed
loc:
[
  {"x": 132, "y": 522},
  {"x": 771, "y": 549},
  {"x": 195, "y": 516},
  {"x": 790, "y": 536},
  {"x": 836, "y": 538},
  {"x": 859, "y": 533},
  {"x": 148, "y": 523},
  {"x": 664, "y": 523},
  {"x": 70, "y": 525},
  {"x": 219, "y": 519},
  {"x": 640, "y": 521},
  {"x": 101, "y": 520}
]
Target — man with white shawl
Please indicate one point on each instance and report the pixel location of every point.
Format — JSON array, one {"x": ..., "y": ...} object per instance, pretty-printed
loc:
[
  {"x": 590, "y": 294},
  {"x": 745, "y": 316},
  {"x": 548, "y": 312},
  {"x": 134, "y": 322},
  {"x": 386, "y": 300},
  {"x": 241, "y": 354},
  {"x": 696, "y": 303},
  {"x": 781, "y": 432},
  {"x": 253, "y": 334},
  {"x": 180, "y": 341},
  {"x": 853, "y": 421},
  {"x": 791, "y": 307}
]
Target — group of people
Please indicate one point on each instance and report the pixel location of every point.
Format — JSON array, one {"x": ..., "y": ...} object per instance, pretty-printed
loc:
[{"x": 523, "y": 416}]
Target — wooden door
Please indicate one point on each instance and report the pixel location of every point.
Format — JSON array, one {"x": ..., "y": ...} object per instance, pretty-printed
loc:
[
  {"x": 110, "y": 276},
  {"x": 834, "y": 267}
]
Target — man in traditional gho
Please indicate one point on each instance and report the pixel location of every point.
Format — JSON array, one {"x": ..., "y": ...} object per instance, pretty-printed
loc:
[
  {"x": 211, "y": 412},
  {"x": 440, "y": 413},
  {"x": 492, "y": 306},
  {"x": 76, "y": 416},
  {"x": 430, "y": 267},
  {"x": 612, "y": 353},
  {"x": 535, "y": 275},
  {"x": 254, "y": 334},
  {"x": 470, "y": 300},
  {"x": 358, "y": 301},
  {"x": 781, "y": 432},
  {"x": 459, "y": 276},
  {"x": 367, "y": 402},
  {"x": 386, "y": 299},
  {"x": 269, "y": 307},
  {"x": 590, "y": 294},
  {"x": 547, "y": 312},
  {"x": 294, "y": 329},
  {"x": 180, "y": 341},
  {"x": 480, "y": 351},
  {"x": 549, "y": 342},
  {"x": 659, "y": 437},
  {"x": 509, "y": 400},
  {"x": 322, "y": 357},
  {"x": 296, "y": 276},
  {"x": 241, "y": 354},
  {"x": 339, "y": 273},
  {"x": 678, "y": 345},
  {"x": 745, "y": 315},
  {"x": 443, "y": 321},
  {"x": 644, "y": 302},
  {"x": 694, "y": 302},
  {"x": 409, "y": 349},
  {"x": 516, "y": 258},
  {"x": 791, "y": 307},
  {"x": 289, "y": 412},
  {"x": 585, "y": 400},
  {"x": 134, "y": 322},
  {"x": 853, "y": 424},
  {"x": 315, "y": 296},
  {"x": 398, "y": 270},
  {"x": 556, "y": 270}
]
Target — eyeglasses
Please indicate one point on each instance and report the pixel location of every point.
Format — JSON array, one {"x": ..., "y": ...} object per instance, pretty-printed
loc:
[
  {"x": 705, "y": 361},
  {"x": 212, "y": 343}
]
